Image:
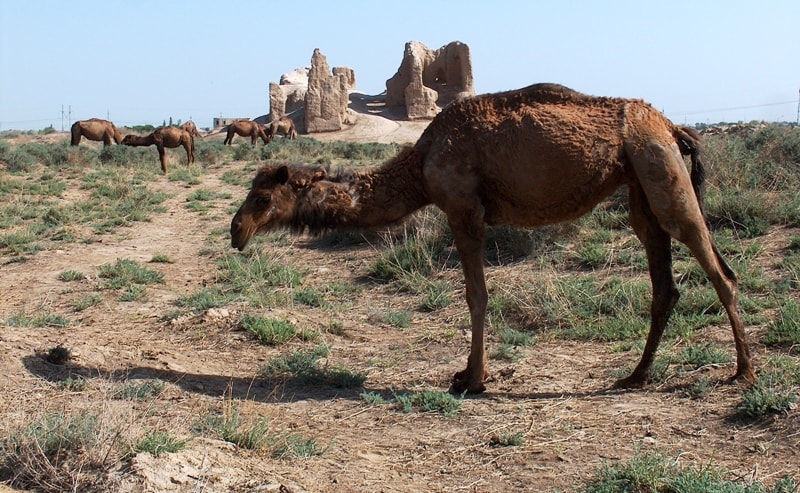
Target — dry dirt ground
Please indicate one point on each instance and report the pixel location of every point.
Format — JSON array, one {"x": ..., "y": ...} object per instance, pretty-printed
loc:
[{"x": 557, "y": 396}]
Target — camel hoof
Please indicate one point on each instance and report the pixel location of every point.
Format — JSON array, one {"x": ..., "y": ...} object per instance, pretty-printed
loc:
[
  {"x": 461, "y": 384},
  {"x": 630, "y": 382},
  {"x": 745, "y": 377}
]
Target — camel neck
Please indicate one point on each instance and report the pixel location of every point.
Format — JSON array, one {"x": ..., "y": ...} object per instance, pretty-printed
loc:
[{"x": 365, "y": 200}]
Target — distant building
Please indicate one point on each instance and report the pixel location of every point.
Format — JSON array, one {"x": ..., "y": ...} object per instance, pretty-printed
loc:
[{"x": 221, "y": 122}]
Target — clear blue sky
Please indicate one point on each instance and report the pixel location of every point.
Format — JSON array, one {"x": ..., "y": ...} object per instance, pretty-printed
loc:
[{"x": 144, "y": 61}]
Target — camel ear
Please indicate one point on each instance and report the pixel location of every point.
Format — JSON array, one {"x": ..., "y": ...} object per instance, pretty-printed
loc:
[
  {"x": 282, "y": 175},
  {"x": 319, "y": 174}
]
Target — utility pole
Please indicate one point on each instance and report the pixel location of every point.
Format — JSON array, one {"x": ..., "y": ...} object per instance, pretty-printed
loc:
[
  {"x": 68, "y": 116},
  {"x": 798, "y": 106}
]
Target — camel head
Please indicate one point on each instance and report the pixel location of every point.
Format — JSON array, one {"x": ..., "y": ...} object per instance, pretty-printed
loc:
[
  {"x": 128, "y": 139},
  {"x": 272, "y": 201}
]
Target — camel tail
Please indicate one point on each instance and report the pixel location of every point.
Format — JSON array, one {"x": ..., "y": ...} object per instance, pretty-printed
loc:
[
  {"x": 689, "y": 144},
  {"x": 76, "y": 134},
  {"x": 688, "y": 141}
]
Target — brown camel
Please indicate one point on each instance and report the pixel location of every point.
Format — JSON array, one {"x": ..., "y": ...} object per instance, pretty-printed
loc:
[
  {"x": 531, "y": 157},
  {"x": 164, "y": 137},
  {"x": 190, "y": 127},
  {"x": 247, "y": 128},
  {"x": 284, "y": 126},
  {"x": 95, "y": 129}
]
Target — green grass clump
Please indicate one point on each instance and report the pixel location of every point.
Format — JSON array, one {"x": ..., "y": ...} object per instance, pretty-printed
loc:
[
  {"x": 125, "y": 273},
  {"x": 22, "y": 319},
  {"x": 269, "y": 331},
  {"x": 231, "y": 427},
  {"x": 310, "y": 297},
  {"x": 71, "y": 275},
  {"x": 140, "y": 391},
  {"x": 429, "y": 401},
  {"x": 414, "y": 256},
  {"x": 291, "y": 445},
  {"x": 398, "y": 319},
  {"x": 704, "y": 354},
  {"x": 656, "y": 472},
  {"x": 39, "y": 456},
  {"x": 159, "y": 442},
  {"x": 256, "y": 277},
  {"x": 775, "y": 390},
  {"x": 508, "y": 439},
  {"x": 161, "y": 258},
  {"x": 436, "y": 295},
  {"x": 202, "y": 300},
  {"x": 785, "y": 329},
  {"x": 304, "y": 367}
]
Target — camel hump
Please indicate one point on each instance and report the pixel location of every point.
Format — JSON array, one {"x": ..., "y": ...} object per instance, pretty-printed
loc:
[{"x": 547, "y": 92}]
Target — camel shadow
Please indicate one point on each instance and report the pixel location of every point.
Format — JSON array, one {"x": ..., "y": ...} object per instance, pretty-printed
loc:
[{"x": 258, "y": 388}]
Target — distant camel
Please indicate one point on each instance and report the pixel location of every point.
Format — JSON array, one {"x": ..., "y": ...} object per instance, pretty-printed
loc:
[
  {"x": 95, "y": 129},
  {"x": 190, "y": 127},
  {"x": 527, "y": 158},
  {"x": 284, "y": 126},
  {"x": 247, "y": 128},
  {"x": 162, "y": 138}
]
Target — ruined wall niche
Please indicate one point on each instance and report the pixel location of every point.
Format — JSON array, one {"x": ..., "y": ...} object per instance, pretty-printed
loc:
[
  {"x": 289, "y": 95},
  {"x": 428, "y": 80}
]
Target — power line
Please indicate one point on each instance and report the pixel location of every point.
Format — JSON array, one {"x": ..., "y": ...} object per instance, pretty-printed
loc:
[{"x": 734, "y": 108}]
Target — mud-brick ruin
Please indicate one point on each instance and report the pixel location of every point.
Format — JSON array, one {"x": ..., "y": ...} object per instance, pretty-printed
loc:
[{"x": 317, "y": 97}]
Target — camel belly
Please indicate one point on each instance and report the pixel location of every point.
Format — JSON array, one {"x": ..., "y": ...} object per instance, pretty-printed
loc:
[{"x": 546, "y": 198}]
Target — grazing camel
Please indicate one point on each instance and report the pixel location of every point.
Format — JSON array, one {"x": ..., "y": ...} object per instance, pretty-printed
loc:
[
  {"x": 247, "y": 128},
  {"x": 284, "y": 126},
  {"x": 527, "y": 158},
  {"x": 95, "y": 129},
  {"x": 165, "y": 137},
  {"x": 190, "y": 127}
]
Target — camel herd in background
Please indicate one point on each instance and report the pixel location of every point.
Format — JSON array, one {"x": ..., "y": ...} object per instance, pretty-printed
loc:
[{"x": 169, "y": 137}]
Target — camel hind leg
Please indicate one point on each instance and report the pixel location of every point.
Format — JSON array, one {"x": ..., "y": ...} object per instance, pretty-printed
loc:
[
  {"x": 667, "y": 187},
  {"x": 188, "y": 146},
  {"x": 656, "y": 242}
]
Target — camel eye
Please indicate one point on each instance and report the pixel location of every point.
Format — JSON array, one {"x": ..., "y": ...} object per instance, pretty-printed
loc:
[{"x": 263, "y": 200}]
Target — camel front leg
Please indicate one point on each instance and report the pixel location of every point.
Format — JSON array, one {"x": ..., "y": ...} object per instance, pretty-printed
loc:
[
  {"x": 162, "y": 155},
  {"x": 468, "y": 233}
]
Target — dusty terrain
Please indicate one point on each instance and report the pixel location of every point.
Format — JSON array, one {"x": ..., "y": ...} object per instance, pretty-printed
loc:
[{"x": 557, "y": 396}]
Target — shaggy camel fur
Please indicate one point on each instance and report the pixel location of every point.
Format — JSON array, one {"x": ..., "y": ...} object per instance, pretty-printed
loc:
[
  {"x": 95, "y": 129},
  {"x": 284, "y": 126},
  {"x": 247, "y": 128},
  {"x": 192, "y": 129},
  {"x": 527, "y": 158},
  {"x": 165, "y": 137}
]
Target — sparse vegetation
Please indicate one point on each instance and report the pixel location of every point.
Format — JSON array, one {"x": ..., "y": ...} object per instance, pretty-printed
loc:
[
  {"x": 775, "y": 390},
  {"x": 159, "y": 442},
  {"x": 657, "y": 472},
  {"x": 303, "y": 367},
  {"x": 558, "y": 295},
  {"x": 270, "y": 331}
]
